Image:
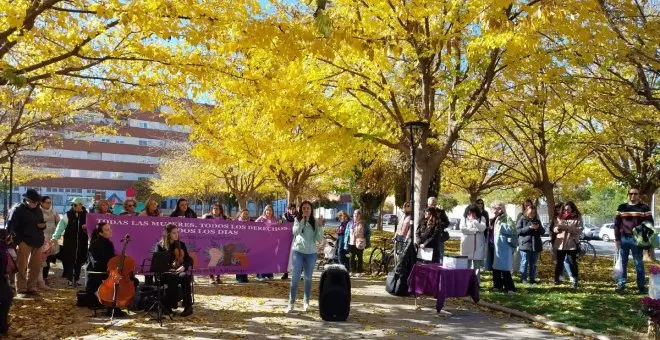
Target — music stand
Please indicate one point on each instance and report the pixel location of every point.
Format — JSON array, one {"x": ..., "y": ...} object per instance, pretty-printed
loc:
[{"x": 160, "y": 264}]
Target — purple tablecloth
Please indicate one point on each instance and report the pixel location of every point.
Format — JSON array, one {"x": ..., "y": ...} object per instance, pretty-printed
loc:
[{"x": 442, "y": 283}]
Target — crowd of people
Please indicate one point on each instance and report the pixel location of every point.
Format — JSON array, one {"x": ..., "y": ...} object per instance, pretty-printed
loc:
[{"x": 494, "y": 243}]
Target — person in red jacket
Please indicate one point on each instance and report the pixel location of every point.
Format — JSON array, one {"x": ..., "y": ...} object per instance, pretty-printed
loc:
[{"x": 628, "y": 216}]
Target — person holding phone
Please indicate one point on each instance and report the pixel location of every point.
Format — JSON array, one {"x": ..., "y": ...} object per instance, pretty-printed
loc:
[{"x": 530, "y": 244}]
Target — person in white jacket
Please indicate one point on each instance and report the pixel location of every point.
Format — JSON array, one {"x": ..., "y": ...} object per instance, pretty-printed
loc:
[{"x": 473, "y": 241}]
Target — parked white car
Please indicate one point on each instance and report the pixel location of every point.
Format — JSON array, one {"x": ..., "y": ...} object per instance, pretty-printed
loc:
[{"x": 607, "y": 232}]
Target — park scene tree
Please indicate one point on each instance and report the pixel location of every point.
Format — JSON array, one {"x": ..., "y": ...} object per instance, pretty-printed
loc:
[{"x": 281, "y": 102}]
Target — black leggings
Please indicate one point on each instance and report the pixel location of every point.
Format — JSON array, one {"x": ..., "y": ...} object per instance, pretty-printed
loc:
[
  {"x": 572, "y": 263},
  {"x": 173, "y": 280},
  {"x": 356, "y": 253},
  {"x": 502, "y": 280}
]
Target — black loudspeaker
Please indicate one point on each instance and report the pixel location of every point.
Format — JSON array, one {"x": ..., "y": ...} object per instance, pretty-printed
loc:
[{"x": 335, "y": 294}]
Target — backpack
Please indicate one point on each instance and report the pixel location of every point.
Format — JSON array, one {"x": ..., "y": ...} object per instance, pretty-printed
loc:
[
  {"x": 645, "y": 235},
  {"x": 359, "y": 233}
]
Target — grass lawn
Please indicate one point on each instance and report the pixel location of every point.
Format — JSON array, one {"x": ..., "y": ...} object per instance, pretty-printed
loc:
[{"x": 593, "y": 306}]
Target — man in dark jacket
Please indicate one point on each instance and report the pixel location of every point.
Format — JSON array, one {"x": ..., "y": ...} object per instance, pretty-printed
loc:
[
  {"x": 628, "y": 216},
  {"x": 26, "y": 225}
]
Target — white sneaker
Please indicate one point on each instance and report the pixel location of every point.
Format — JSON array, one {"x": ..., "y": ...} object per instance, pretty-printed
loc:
[
  {"x": 352, "y": 274},
  {"x": 305, "y": 306},
  {"x": 289, "y": 308},
  {"x": 358, "y": 275}
]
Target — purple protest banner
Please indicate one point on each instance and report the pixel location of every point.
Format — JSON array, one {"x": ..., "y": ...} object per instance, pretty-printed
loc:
[{"x": 216, "y": 246}]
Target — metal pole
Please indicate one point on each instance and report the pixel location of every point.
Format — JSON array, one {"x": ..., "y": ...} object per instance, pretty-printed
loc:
[
  {"x": 4, "y": 198},
  {"x": 412, "y": 183},
  {"x": 11, "y": 180}
]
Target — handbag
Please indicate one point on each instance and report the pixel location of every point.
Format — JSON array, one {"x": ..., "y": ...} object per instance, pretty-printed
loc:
[
  {"x": 512, "y": 241},
  {"x": 360, "y": 243},
  {"x": 444, "y": 237}
]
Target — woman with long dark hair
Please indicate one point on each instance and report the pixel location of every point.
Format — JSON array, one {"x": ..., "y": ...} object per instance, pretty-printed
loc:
[
  {"x": 568, "y": 229},
  {"x": 529, "y": 231},
  {"x": 183, "y": 210},
  {"x": 178, "y": 276},
  {"x": 429, "y": 232},
  {"x": 305, "y": 237},
  {"x": 101, "y": 250}
]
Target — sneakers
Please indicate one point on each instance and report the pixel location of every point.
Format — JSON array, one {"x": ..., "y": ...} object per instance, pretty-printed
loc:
[
  {"x": 289, "y": 308},
  {"x": 575, "y": 285},
  {"x": 620, "y": 289},
  {"x": 305, "y": 306}
]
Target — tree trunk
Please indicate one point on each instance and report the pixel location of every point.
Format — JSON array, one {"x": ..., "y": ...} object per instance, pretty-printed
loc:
[
  {"x": 473, "y": 196},
  {"x": 379, "y": 226},
  {"x": 293, "y": 195},
  {"x": 423, "y": 174},
  {"x": 242, "y": 202},
  {"x": 647, "y": 192},
  {"x": 548, "y": 193}
]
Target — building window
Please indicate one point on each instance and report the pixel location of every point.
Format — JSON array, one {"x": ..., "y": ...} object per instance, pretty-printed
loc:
[
  {"x": 93, "y": 155},
  {"x": 143, "y": 125},
  {"x": 120, "y": 141},
  {"x": 105, "y": 140},
  {"x": 143, "y": 143}
]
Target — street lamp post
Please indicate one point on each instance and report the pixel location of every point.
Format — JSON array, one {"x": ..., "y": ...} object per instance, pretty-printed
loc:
[
  {"x": 5, "y": 176},
  {"x": 412, "y": 128},
  {"x": 12, "y": 149}
]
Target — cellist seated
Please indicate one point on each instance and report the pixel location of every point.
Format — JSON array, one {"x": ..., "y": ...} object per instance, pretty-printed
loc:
[
  {"x": 101, "y": 250},
  {"x": 178, "y": 275}
]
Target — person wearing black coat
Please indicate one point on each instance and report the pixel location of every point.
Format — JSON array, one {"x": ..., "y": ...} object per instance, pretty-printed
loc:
[
  {"x": 182, "y": 209},
  {"x": 530, "y": 244},
  {"x": 74, "y": 250},
  {"x": 179, "y": 273},
  {"x": 429, "y": 232},
  {"x": 101, "y": 250},
  {"x": 26, "y": 225}
]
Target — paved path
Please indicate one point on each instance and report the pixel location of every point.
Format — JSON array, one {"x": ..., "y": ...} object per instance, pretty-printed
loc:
[{"x": 255, "y": 311}]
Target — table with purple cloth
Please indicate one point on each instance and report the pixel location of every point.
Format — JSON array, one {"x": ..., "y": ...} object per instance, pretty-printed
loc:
[{"x": 433, "y": 280}]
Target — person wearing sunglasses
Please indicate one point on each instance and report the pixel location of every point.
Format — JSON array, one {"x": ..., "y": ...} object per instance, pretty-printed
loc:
[
  {"x": 129, "y": 208},
  {"x": 74, "y": 250},
  {"x": 628, "y": 216}
]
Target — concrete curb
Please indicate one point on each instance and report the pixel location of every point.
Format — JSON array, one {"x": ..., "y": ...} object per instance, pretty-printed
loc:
[{"x": 541, "y": 319}]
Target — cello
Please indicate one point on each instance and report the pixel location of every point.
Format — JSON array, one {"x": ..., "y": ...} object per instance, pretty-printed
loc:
[{"x": 118, "y": 289}]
